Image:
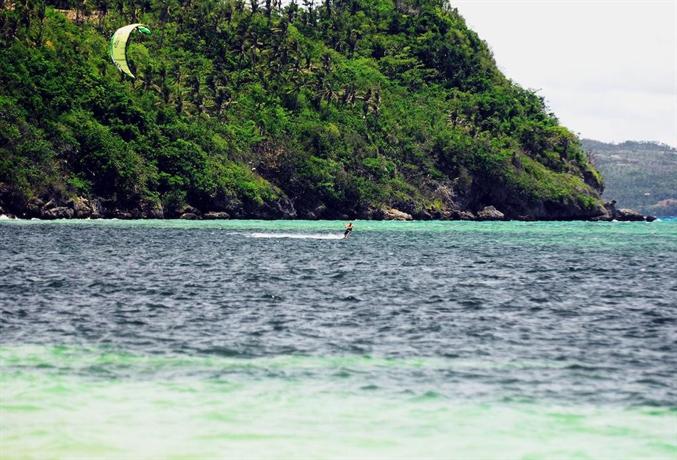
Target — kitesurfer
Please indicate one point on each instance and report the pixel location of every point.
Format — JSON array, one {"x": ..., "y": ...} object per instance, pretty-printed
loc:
[{"x": 349, "y": 230}]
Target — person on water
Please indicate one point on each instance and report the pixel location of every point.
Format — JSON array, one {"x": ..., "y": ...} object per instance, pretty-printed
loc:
[{"x": 349, "y": 230}]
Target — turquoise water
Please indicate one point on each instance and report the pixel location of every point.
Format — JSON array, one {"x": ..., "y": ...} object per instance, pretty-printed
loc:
[{"x": 252, "y": 339}]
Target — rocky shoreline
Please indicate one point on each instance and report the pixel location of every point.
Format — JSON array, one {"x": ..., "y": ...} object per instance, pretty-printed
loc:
[{"x": 84, "y": 208}]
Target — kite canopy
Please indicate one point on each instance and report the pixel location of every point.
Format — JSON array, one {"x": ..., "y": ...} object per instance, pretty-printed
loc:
[{"x": 118, "y": 46}]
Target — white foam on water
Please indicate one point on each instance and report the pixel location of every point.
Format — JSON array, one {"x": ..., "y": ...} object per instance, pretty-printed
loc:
[{"x": 299, "y": 236}]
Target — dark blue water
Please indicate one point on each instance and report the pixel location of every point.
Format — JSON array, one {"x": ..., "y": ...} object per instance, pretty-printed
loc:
[{"x": 566, "y": 312}]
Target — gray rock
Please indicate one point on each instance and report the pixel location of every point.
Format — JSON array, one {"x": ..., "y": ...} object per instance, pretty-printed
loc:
[
  {"x": 369, "y": 214},
  {"x": 189, "y": 216},
  {"x": 188, "y": 209},
  {"x": 599, "y": 211},
  {"x": 285, "y": 208},
  {"x": 464, "y": 215},
  {"x": 120, "y": 214},
  {"x": 445, "y": 194},
  {"x": 97, "y": 209},
  {"x": 624, "y": 214},
  {"x": 34, "y": 206},
  {"x": 60, "y": 212},
  {"x": 423, "y": 214},
  {"x": 628, "y": 215},
  {"x": 395, "y": 214},
  {"x": 152, "y": 210},
  {"x": 216, "y": 215},
  {"x": 490, "y": 213},
  {"x": 232, "y": 206},
  {"x": 316, "y": 213},
  {"x": 50, "y": 205},
  {"x": 81, "y": 207}
]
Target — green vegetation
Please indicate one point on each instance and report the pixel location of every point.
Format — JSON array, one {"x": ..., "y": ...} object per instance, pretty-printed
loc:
[
  {"x": 639, "y": 175},
  {"x": 257, "y": 110}
]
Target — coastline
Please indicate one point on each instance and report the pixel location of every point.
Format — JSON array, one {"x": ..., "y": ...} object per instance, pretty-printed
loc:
[
  {"x": 647, "y": 219},
  {"x": 83, "y": 208}
]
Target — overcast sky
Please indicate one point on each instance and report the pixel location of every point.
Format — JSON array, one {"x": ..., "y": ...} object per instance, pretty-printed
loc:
[{"x": 608, "y": 69}]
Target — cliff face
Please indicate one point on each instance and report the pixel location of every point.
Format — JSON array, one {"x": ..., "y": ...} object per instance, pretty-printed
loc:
[{"x": 354, "y": 108}]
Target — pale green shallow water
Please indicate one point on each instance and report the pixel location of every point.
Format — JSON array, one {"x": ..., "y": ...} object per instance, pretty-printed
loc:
[
  {"x": 290, "y": 407},
  {"x": 240, "y": 339}
]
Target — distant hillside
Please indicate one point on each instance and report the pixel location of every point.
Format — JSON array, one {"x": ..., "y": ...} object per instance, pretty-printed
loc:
[{"x": 638, "y": 175}]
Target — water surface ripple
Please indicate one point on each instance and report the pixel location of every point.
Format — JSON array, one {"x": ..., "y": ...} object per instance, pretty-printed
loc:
[{"x": 557, "y": 313}]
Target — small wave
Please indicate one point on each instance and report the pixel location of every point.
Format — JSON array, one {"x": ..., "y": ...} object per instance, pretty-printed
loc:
[{"x": 299, "y": 236}]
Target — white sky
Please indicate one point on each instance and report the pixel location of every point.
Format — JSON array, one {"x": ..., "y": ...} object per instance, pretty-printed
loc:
[{"x": 607, "y": 69}]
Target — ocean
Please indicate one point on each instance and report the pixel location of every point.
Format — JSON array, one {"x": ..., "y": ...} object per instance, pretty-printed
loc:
[{"x": 279, "y": 340}]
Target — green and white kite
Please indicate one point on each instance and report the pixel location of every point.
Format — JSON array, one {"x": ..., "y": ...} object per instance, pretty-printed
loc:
[{"x": 118, "y": 46}]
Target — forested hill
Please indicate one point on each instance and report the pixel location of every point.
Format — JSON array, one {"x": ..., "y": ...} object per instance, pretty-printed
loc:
[
  {"x": 640, "y": 175},
  {"x": 348, "y": 108}
]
